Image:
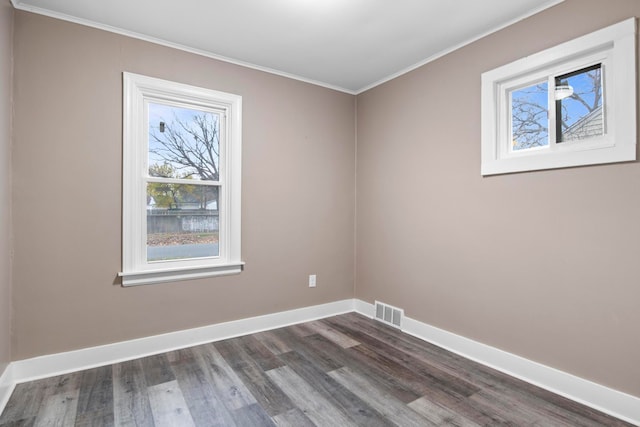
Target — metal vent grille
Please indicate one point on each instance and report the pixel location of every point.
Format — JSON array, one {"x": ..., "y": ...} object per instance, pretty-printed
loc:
[{"x": 389, "y": 314}]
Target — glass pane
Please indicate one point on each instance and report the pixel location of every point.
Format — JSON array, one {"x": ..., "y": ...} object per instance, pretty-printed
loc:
[
  {"x": 579, "y": 104},
  {"x": 183, "y": 143},
  {"x": 182, "y": 221},
  {"x": 530, "y": 117}
]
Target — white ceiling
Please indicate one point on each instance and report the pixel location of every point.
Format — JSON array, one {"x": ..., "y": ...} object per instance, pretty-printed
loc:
[{"x": 349, "y": 45}]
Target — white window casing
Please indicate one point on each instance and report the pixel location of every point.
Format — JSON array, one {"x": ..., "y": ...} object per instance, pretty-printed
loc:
[
  {"x": 138, "y": 92},
  {"x": 614, "y": 48}
]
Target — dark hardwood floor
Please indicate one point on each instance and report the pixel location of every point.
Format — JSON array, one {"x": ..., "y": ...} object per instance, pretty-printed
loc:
[{"x": 341, "y": 371}]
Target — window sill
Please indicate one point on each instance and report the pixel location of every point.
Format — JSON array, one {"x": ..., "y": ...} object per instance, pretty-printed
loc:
[
  {"x": 149, "y": 277},
  {"x": 607, "y": 153}
]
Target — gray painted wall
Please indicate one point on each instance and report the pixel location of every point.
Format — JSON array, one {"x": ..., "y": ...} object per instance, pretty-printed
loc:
[
  {"x": 6, "y": 40},
  {"x": 540, "y": 264},
  {"x": 297, "y": 212}
]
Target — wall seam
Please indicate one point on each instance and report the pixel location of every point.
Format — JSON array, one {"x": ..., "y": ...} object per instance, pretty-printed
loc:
[
  {"x": 355, "y": 197},
  {"x": 10, "y": 177}
]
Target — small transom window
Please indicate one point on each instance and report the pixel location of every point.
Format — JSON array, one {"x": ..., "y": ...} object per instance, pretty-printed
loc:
[{"x": 570, "y": 105}]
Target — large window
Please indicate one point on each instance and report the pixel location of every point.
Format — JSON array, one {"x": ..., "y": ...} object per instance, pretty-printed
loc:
[
  {"x": 181, "y": 181},
  {"x": 571, "y": 105}
]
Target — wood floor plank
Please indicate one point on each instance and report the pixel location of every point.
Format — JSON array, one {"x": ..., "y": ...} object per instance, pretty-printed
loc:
[
  {"x": 410, "y": 375},
  {"x": 433, "y": 376},
  {"x": 293, "y": 418},
  {"x": 168, "y": 406},
  {"x": 300, "y": 330},
  {"x": 416, "y": 347},
  {"x": 552, "y": 406},
  {"x": 62, "y": 384},
  {"x": 130, "y": 399},
  {"x": 252, "y": 416},
  {"x": 97, "y": 419},
  {"x": 380, "y": 375},
  {"x": 204, "y": 405},
  {"x": 479, "y": 375},
  {"x": 25, "y": 402},
  {"x": 228, "y": 386},
  {"x": 96, "y": 397},
  {"x": 340, "y": 397},
  {"x": 29, "y": 422},
  {"x": 58, "y": 410},
  {"x": 439, "y": 415},
  {"x": 28, "y": 399},
  {"x": 385, "y": 404},
  {"x": 516, "y": 414},
  {"x": 262, "y": 354},
  {"x": 157, "y": 369},
  {"x": 438, "y": 391},
  {"x": 539, "y": 408},
  {"x": 267, "y": 394},
  {"x": 445, "y": 387},
  {"x": 307, "y": 399},
  {"x": 342, "y": 370},
  {"x": 331, "y": 334},
  {"x": 407, "y": 374},
  {"x": 322, "y": 360},
  {"x": 273, "y": 342},
  {"x": 476, "y": 374}
]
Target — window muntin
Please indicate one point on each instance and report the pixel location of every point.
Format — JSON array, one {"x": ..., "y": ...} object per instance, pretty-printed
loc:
[{"x": 181, "y": 181}]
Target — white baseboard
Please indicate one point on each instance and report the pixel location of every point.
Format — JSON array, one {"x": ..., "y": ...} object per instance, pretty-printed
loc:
[
  {"x": 607, "y": 400},
  {"x": 70, "y": 361},
  {"x": 364, "y": 308},
  {"x": 7, "y": 385},
  {"x": 613, "y": 402}
]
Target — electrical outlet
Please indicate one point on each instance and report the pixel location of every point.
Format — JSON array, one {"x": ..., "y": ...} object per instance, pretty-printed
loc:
[{"x": 312, "y": 280}]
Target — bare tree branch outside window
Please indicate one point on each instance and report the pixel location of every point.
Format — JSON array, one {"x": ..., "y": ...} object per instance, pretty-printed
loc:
[
  {"x": 182, "y": 218},
  {"x": 186, "y": 145},
  {"x": 578, "y": 116},
  {"x": 192, "y": 147}
]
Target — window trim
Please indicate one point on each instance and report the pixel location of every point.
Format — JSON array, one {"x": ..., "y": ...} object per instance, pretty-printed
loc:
[
  {"x": 615, "y": 48},
  {"x": 138, "y": 91}
]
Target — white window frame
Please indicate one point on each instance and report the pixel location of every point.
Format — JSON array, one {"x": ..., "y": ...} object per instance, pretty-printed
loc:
[
  {"x": 615, "y": 48},
  {"x": 138, "y": 92}
]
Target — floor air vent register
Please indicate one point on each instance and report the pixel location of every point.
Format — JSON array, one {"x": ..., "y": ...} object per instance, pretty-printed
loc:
[{"x": 389, "y": 314}]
